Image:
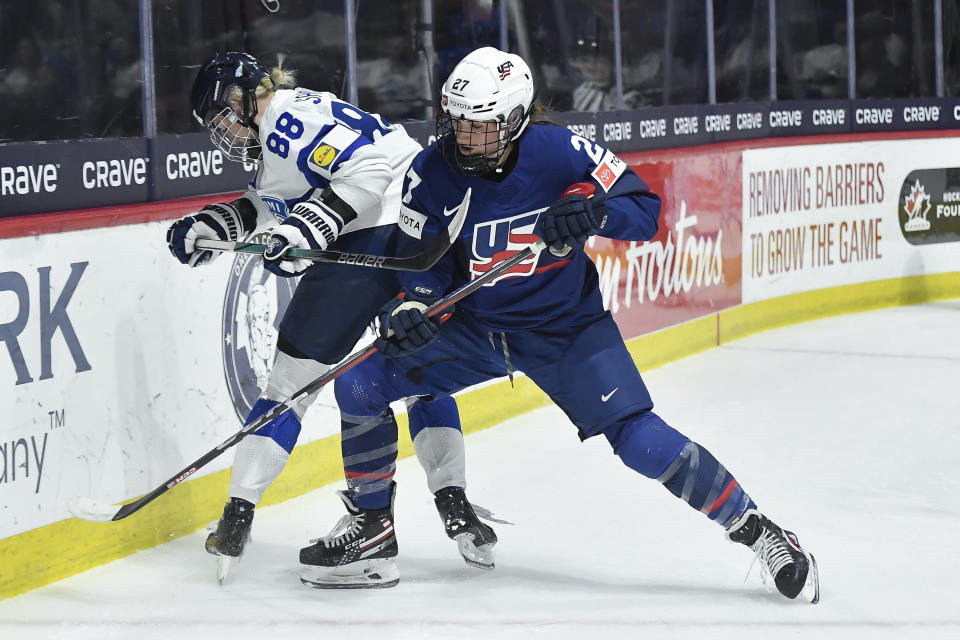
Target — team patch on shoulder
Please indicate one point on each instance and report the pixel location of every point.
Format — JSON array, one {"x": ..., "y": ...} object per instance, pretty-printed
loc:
[
  {"x": 277, "y": 206},
  {"x": 411, "y": 222},
  {"x": 608, "y": 170},
  {"x": 330, "y": 148},
  {"x": 323, "y": 155}
]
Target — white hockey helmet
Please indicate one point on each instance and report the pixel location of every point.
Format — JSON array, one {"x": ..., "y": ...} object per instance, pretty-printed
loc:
[{"x": 488, "y": 85}]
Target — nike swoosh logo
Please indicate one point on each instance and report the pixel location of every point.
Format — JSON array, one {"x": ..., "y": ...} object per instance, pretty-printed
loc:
[
  {"x": 448, "y": 213},
  {"x": 606, "y": 397}
]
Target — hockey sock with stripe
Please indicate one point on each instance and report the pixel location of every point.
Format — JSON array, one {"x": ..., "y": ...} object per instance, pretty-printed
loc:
[{"x": 369, "y": 445}]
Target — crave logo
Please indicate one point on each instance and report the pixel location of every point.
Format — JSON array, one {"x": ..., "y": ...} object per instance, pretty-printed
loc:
[
  {"x": 252, "y": 307},
  {"x": 499, "y": 240},
  {"x": 929, "y": 206}
]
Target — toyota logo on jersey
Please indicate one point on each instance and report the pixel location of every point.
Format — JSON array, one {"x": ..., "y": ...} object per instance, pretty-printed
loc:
[{"x": 499, "y": 240}]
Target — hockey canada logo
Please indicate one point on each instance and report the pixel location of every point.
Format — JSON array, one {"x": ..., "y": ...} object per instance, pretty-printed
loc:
[
  {"x": 252, "y": 307},
  {"x": 929, "y": 206},
  {"x": 917, "y": 205},
  {"x": 499, "y": 240}
]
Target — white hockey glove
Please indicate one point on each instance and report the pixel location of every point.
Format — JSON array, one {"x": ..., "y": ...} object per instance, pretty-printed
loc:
[
  {"x": 312, "y": 224},
  {"x": 214, "y": 222}
]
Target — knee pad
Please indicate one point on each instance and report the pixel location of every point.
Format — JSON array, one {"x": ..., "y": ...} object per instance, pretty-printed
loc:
[
  {"x": 289, "y": 375},
  {"x": 645, "y": 443},
  {"x": 284, "y": 429},
  {"x": 359, "y": 391},
  {"x": 432, "y": 412}
]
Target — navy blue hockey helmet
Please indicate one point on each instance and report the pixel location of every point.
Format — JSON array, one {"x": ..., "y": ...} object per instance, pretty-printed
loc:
[{"x": 224, "y": 101}]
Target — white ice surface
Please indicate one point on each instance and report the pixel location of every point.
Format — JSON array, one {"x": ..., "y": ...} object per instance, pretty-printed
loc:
[{"x": 845, "y": 430}]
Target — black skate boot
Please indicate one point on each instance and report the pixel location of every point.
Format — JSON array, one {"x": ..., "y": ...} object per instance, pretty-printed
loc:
[
  {"x": 231, "y": 535},
  {"x": 474, "y": 539},
  {"x": 360, "y": 552},
  {"x": 794, "y": 571}
]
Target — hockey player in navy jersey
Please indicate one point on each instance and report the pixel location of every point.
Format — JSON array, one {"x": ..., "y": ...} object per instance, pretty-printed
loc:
[
  {"x": 545, "y": 316},
  {"x": 329, "y": 174}
]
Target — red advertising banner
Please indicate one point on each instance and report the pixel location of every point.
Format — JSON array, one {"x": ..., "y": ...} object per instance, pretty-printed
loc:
[{"x": 692, "y": 267}]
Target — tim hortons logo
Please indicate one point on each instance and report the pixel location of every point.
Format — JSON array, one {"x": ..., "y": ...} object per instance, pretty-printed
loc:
[{"x": 683, "y": 261}]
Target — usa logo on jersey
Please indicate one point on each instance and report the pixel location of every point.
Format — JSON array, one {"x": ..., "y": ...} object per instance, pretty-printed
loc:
[{"x": 499, "y": 240}]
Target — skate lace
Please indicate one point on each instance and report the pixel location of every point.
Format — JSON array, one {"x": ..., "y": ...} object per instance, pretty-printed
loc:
[
  {"x": 487, "y": 515},
  {"x": 346, "y": 529},
  {"x": 772, "y": 553}
]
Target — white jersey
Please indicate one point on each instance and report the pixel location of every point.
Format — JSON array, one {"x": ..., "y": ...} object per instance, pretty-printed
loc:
[{"x": 311, "y": 140}]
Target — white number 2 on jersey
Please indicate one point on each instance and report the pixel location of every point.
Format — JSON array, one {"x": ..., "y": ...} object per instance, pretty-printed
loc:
[{"x": 593, "y": 150}]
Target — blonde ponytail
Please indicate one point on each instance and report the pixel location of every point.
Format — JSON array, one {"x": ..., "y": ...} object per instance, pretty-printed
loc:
[{"x": 278, "y": 78}]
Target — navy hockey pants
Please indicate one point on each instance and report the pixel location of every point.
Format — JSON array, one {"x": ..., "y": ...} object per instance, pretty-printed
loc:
[{"x": 586, "y": 370}]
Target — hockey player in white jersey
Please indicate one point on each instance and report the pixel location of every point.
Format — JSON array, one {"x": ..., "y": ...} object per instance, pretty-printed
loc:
[{"x": 329, "y": 174}]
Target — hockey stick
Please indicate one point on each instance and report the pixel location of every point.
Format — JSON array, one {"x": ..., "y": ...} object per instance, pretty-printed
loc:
[
  {"x": 420, "y": 262},
  {"x": 94, "y": 511}
]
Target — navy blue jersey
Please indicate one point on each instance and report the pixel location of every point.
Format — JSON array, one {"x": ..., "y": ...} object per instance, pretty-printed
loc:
[{"x": 500, "y": 223}]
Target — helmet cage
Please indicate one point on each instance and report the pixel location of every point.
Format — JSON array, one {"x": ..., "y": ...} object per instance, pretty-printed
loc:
[
  {"x": 235, "y": 139},
  {"x": 224, "y": 101},
  {"x": 492, "y": 151}
]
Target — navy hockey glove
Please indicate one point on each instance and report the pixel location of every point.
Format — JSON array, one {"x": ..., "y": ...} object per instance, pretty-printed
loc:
[
  {"x": 213, "y": 222},
  {"x": 312, "y": 224},
  {"x": 404, "y": 326},
  {"x": 578, "y": 214}
]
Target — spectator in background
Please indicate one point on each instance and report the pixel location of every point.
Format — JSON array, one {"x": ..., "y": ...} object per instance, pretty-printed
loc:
[
  {"x": 592, "y": 59},
  {"x": 883, "y": 59}
]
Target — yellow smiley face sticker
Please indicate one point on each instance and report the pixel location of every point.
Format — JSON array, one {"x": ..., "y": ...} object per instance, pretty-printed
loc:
[{"x": 324, "y": 155}]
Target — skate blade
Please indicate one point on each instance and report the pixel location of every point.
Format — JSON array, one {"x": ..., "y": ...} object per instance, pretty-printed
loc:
[
  {"x": 811, "y": 588},
  {"x": 363, "y": 574},
  {"x": 223, "y": 568},
  {"x": 480, "y": 557}
]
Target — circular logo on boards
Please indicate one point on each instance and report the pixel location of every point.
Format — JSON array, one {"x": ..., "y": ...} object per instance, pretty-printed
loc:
[{"x": 255, "y": 301}]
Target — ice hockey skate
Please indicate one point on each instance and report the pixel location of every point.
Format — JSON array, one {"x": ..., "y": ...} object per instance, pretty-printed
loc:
[
  {"x": 794, "y": 571},
  {"x": 230, "y": 538},
  {"x": 359, "y": 553},
  {"x": 474, "y": 539}
]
